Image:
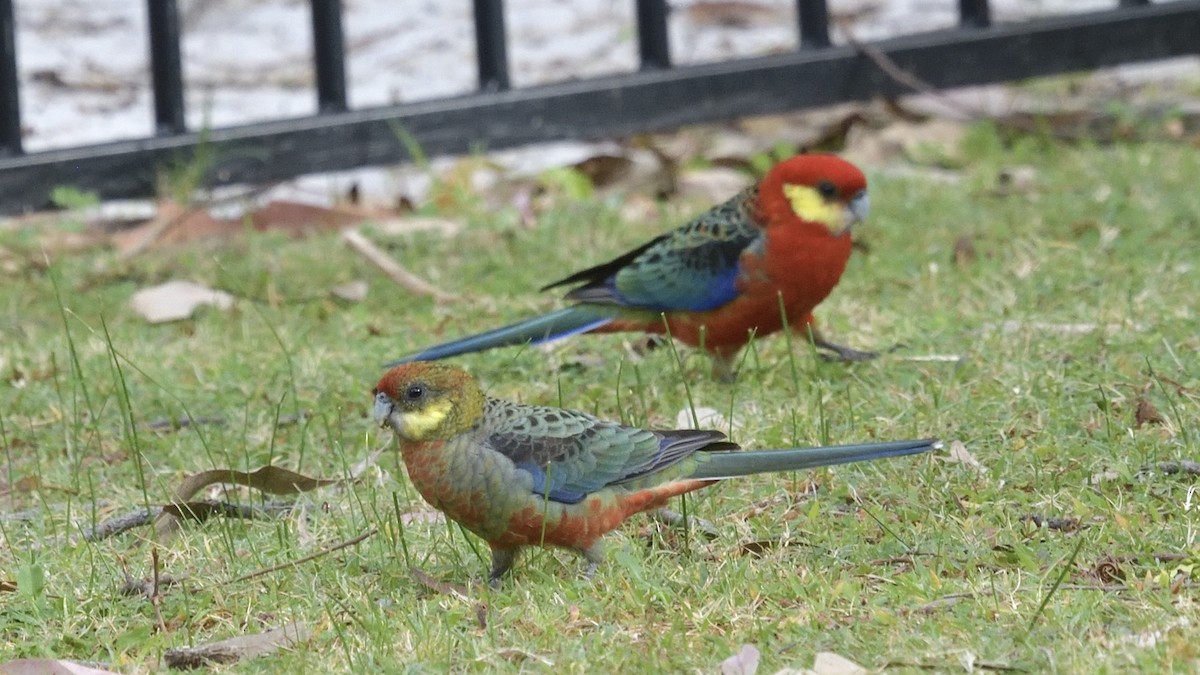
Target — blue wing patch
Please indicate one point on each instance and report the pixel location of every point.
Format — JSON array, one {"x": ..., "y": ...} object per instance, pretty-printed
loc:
[{"x": 693, "y": 268}]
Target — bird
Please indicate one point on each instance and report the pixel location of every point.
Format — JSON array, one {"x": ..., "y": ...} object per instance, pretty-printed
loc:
[
  {"x": 521, "y": 475},
  {"x": 740, "y": 270}
]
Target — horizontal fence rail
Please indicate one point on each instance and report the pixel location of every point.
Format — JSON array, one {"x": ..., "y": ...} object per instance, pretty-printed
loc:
[{"x": 656, "y": 97}]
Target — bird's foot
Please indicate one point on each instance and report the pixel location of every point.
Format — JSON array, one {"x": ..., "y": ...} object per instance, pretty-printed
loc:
[
  {"x": 502, "y": 560},
  {"x": 594, "y": 554}
]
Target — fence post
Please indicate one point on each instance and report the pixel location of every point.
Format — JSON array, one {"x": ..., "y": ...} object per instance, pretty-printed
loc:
[
  {"x": 974, "y": 13},
  {"x": 329, "y": 55},
  {"x": 10, "y": 99},
  {"x": 813, "y": 16},
  {"x": 491, "y": 50},
  {"x": 654, "y": 48},
  {"x": 166, "y": 67}
]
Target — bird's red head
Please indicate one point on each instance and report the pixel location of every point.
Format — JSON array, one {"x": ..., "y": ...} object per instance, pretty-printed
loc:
[
  {"x": 423, "y": 401},
  {"x": 818, "y": 191}
]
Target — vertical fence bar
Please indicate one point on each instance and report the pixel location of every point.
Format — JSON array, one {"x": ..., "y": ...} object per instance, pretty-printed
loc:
[
  {"x": 10, "y": 100},
  {"x": 166, "y": 66},
  {"x": 813, "y": 16},
  {"x": 974, "y": 13},
  {"x": 491, "y": 51},
  {"x": 654, "y": 49},
  {"x": 329, "y": 55}
]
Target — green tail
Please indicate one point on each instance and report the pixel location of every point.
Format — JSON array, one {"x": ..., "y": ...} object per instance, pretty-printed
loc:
[
  {"x": 552, "y": 326},
  {"x": 729, "y": 464}
]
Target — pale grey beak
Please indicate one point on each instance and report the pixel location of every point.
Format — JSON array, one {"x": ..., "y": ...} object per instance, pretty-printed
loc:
[
  {"x": 383, "y": 409},
  {"x": 860, "y": 208}
]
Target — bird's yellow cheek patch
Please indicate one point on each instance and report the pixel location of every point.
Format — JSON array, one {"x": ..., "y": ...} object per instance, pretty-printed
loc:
[
  {"x": 418, "y": 425},
  {"x": 809, "y": 205}
]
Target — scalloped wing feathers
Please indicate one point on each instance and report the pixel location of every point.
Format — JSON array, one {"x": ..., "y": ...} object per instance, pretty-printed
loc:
[{"x": 571, "y": 454}]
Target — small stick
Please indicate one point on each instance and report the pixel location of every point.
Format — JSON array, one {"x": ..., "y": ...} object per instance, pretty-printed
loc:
[
  {"x": 307, "y": 558},
  {"x": 386, "y": 264}
]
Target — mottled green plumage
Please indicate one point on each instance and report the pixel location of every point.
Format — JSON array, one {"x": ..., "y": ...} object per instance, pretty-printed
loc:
[{"x": 521, "y": 475}]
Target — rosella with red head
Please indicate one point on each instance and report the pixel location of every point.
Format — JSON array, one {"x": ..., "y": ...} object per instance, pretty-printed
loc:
[{"x": 770, "y": 254}]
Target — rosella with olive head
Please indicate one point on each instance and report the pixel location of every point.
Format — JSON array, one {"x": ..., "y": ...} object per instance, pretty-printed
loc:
[
  {"x": 524, "y": 475},
  {"x": 770, "y": 254}
]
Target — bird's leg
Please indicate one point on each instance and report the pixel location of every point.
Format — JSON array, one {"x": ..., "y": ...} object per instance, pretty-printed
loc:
[
  {"x": 722, "y": 367},
  {"x": 594, "y": 554},
  {"x": 840, "y": 352},
  {"x": 502, "y": 560}
]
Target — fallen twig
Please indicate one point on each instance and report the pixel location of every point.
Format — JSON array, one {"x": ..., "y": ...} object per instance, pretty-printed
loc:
[
  {"x": 300, "y": 561},
  {"x": 386, "y": 264},
  {"x": 198, "y": 510},
  {"x": 123, "y": 523}
]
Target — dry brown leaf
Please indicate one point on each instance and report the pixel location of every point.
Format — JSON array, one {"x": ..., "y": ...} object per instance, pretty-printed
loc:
[
  {"x": 271, "y": 479},
  {"x": 237, "y": 648},
  {"x": 297, "y": 219},
  {"x": 1146, "y": 413},
  {"x": 176, "y": 224},
  {"x": 744, "y": 662},
  {"x": 760, "y": 547},
  {"x": 604, "y": 170},
  {"x": 958, "y": 454},
  {"x": 176, "y": 300}
]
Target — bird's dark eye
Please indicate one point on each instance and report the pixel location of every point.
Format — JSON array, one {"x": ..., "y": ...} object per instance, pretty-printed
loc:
[
  {"x": 414, "y": 392},
  {"x": 827, "y": 190}
]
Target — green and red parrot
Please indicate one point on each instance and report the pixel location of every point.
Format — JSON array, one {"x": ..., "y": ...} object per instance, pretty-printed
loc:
[
  {"x": 775, "y": 250},
  {"x": 523, "y": 475}
]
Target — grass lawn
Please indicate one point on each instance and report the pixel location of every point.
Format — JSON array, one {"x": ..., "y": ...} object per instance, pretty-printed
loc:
[{"x": 1066, "y": 547}]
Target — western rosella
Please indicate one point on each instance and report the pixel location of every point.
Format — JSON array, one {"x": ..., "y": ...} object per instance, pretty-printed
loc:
[
  {"x": 522, "y": 475},
  {"x": 774, "y": 250}
]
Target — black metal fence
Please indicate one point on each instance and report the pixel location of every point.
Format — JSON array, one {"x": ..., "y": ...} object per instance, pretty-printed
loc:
[{"x": 658, "y": 96}]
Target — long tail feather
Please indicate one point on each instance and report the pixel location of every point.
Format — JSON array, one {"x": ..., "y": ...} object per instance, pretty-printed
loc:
[
  {"x": 728, "y": 464},
  {"x": 553, "y": 326}
]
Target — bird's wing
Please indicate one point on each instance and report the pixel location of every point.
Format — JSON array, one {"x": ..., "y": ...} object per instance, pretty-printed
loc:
[
  {"x": 572, "y": 454},
  {"x": 693, "y": 268}
]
